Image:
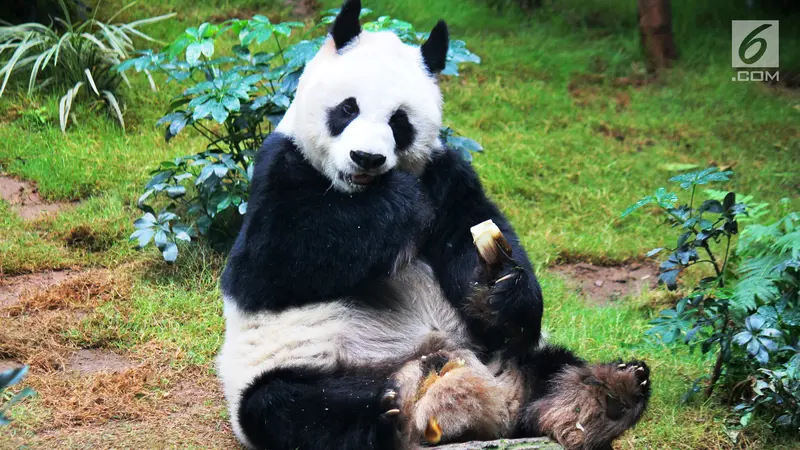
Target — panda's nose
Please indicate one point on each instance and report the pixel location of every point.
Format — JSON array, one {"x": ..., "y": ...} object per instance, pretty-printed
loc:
[{"x": 367, "y": 160}]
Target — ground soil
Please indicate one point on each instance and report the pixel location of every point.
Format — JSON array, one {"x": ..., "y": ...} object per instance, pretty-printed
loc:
[
  {"x": 13, "y": 289},
  {"x": 6, "y": 364},
  {"x": 604, "y": 284},
  {"x": 303, "y": 8},
  {"x": 25, "y": 200},
  {"x": 98, "y": 360},
  {"x": 98, "y": 397}
]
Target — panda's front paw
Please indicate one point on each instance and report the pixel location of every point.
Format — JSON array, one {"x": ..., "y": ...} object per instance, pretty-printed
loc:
[{"x": 514, "y": 304}]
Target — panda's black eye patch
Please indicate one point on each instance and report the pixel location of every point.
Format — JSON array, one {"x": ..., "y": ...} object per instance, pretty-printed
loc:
[
  {"x": 340, "y": 116},
  {"x": 402, "y": 130}
]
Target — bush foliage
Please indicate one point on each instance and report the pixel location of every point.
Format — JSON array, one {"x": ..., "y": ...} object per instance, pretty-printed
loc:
[
  {"x": 68, "y": 55},
  {"x": 234, "y": 99},
  {"x": 746, "y": 311}
]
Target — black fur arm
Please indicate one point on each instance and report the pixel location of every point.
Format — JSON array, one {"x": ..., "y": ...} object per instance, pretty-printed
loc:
[
  {"x": 515, "y": 305},
  {"x": 305, "y": 242}
]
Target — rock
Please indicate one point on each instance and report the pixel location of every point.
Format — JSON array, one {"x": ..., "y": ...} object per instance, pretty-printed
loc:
[{"x": 504, "y": 444}]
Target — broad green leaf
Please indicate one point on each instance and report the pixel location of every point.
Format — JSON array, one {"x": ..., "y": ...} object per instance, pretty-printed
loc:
[
  {"x": 207, "y": 47},
  {"x": 143, "y": 236},
  {"x": 705, "y": 176},
  {"x": 193, "y": 52},
  {"x": 170, "y": 252},
  {"x": 644, "y": 201}
]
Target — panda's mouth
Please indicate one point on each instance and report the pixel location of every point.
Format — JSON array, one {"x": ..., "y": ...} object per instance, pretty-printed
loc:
[{"x": 359, "y": 179}]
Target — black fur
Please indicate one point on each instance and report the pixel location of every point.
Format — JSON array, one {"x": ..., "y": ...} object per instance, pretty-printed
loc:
[
  {"x": 434, "y": 50},
  {"x": 539, "y": 366},
  {"x": 303, "y": 409},
  {"x": 460, "y": 202},
  {"x": 340, "y": 116},
  {"x": 303, "y": 242},
  {"x": 346, "y": 26},
  {"x": 402, "y": 130},
  {"x": 542, "y": 364}
]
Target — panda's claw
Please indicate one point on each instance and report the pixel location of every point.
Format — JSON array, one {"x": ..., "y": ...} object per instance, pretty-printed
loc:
[
  {"x": 388, "y": 396},
  {"x": 392, "y": 412},
  {"x": 504, "y": 278}
]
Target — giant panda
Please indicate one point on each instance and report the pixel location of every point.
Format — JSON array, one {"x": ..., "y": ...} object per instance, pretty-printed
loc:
[{"x": 355, "y": 259}]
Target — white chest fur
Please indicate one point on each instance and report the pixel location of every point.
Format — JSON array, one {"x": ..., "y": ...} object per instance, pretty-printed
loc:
[{"x": 326, "y": 335}]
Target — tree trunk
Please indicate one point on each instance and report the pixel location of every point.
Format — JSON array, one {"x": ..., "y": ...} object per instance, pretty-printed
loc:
[
  {"x": 504, "y": 444},
  {"x": 655, "y": 26}
]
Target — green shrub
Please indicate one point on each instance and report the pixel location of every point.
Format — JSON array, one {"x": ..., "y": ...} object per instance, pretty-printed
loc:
[
  {"x": 747, "y": 311},
  {"x": 7, "y": 379},
  {"x": 68, "y": 55},
  {"x": 234, "y": 100}
]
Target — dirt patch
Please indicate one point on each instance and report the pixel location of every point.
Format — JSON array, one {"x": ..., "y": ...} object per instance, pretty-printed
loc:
[
  {"x": 74, "y": 398},
  {"x": 14, "y": 289},
  {"x": 303, "y": 8},
  {"x": 8, "y": 364},
  {"x": 38, "y": 339},
  {"x": 611, "y": 132},
  {"x": 88, "y": 361},
  {"x": 595, "y": 89},
  {"x": 238, "y": 13},
  {"x": 186, "y": 412},
  {"x": 76, "y": 291},
  {"x": 25, "y": 200},
  {"x": 44, "y": 326},
  {"x": 604, "y": 284},
  {"x": 96, "y": 397},
  {"x": 88, "y": 239}
]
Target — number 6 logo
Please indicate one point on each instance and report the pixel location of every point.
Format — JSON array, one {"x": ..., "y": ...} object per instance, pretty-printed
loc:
[
  {"x": 754, "y": 43},
  {"x": 751, "y": 40}
]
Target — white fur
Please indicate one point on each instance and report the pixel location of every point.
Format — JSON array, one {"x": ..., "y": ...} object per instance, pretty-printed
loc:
[
  {"x": 325, "y": 335},
  {"x": 383, "y": 74}
]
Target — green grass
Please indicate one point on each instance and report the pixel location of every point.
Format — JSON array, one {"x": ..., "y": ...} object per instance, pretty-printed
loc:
[{"x": 566, "y": 152}]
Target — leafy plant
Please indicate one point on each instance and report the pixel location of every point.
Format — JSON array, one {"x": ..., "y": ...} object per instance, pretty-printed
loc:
[
  {"x": 767, "y": 290},
  {"x": 7, "y": 379},
  {"x": 703, "y": 315},
  {"x": 748, "y": 315},
  {"x": 234, "y": 100},
  {"x": 777, "y": 391},
  {"x": 70, "y": 55}
]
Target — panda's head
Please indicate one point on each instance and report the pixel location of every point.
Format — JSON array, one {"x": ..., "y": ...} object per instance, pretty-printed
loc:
[{"x": 367, "y": 103}]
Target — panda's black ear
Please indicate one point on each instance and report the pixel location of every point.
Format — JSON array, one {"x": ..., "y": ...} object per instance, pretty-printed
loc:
[
  {"x": 346, "y": 26},
  {"x": 434, "y": 50}
]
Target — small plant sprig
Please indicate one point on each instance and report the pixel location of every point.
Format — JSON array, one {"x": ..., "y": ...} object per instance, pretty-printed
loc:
[
  {"x": 234, "y": 100},
  {"x": 7, "y": 379}
]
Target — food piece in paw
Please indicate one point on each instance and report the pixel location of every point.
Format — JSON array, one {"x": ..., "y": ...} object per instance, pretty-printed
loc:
[
  {"x": 433, "y": 432},
  {"x": 492, "y": 246}
]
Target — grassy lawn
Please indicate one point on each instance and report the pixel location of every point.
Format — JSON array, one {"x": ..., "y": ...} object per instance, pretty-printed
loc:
[{"x": 574, "y": 131}]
